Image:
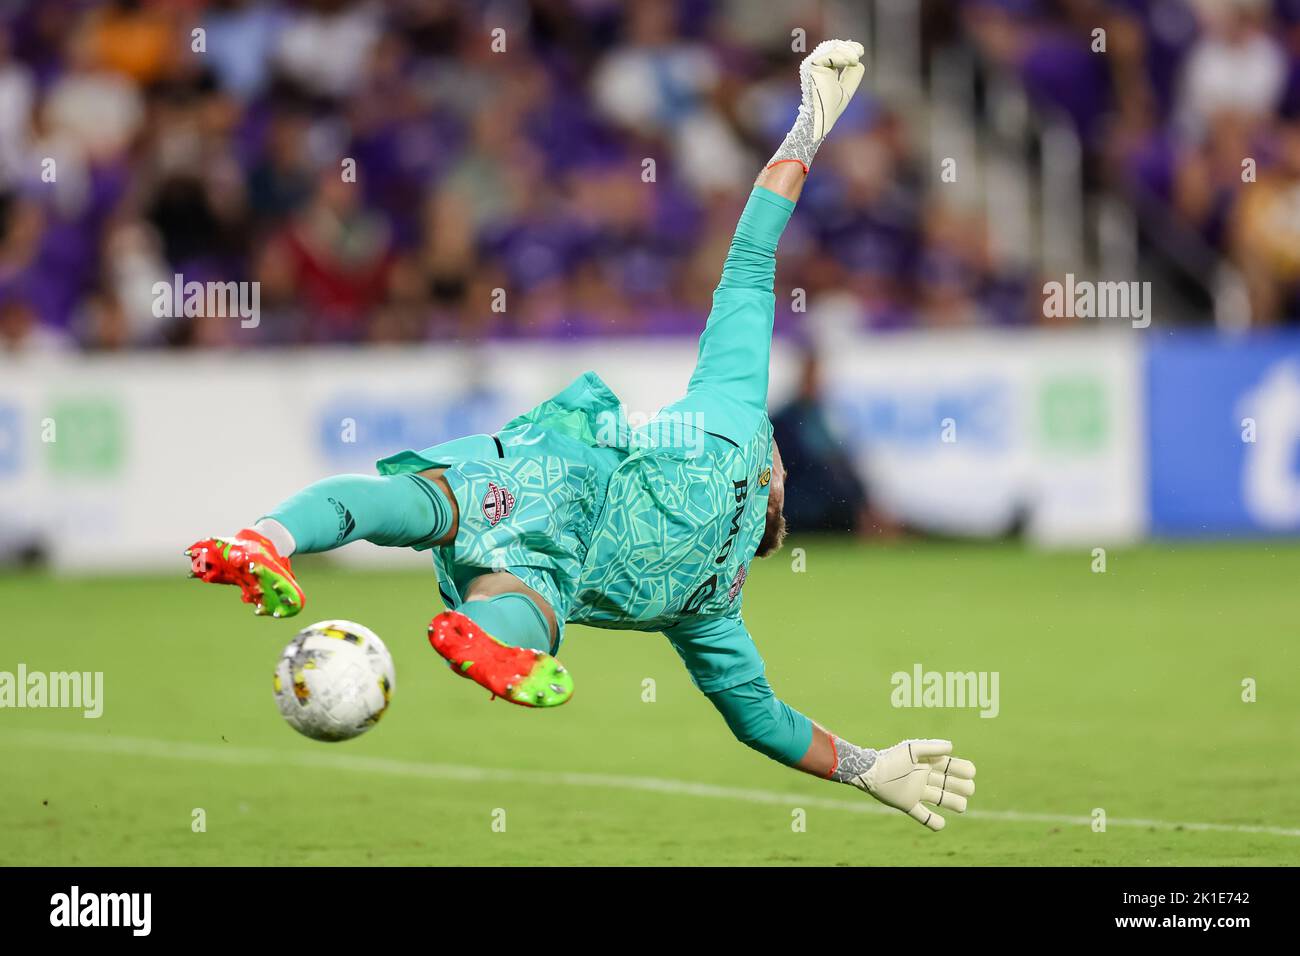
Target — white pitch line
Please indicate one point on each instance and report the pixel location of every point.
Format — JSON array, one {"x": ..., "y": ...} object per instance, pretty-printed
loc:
[{"x": 250, "y": 756}]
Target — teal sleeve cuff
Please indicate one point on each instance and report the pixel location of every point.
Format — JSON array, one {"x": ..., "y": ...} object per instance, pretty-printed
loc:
[
  {"x": 765, "y": 194},
  {"x": 764, "y": 219},
  {"x": 761, "y": 721}
]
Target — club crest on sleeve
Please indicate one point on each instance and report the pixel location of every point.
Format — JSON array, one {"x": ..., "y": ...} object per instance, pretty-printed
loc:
[
  {"x": 765, "y": 477},
  {"x": 497, "y": 503}
]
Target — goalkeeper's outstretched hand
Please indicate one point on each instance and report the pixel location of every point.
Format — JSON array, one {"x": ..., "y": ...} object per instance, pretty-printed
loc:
[
  {"x": 828, "y": 78},
  {"x": 913, "y": 773}
]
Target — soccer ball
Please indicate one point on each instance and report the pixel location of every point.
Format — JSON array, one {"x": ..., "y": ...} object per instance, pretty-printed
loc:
[{"x": 334, "y": 680}]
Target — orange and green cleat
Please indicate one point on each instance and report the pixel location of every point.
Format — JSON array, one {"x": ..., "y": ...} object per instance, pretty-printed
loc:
[
  {"x": 522, "y": 675},
  {"x": 249, "y": 560}
]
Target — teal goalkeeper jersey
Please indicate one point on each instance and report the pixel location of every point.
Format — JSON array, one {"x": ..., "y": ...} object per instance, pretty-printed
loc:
[{"x": 650, "y": 528}]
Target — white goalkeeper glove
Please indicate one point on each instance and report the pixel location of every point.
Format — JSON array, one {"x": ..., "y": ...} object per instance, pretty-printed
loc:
[
  {"x": 828, "y": 77},
  {"x": 915, "y": 772}
]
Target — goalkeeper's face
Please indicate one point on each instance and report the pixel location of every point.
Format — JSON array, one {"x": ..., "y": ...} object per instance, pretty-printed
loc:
[{"x": 774, "y": 530}]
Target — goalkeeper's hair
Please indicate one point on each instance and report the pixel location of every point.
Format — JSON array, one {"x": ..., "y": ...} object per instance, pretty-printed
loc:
[{"x": 773, "y": 535}]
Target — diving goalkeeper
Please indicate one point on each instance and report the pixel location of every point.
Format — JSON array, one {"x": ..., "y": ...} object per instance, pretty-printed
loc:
[{"x": 568, "y": 515}]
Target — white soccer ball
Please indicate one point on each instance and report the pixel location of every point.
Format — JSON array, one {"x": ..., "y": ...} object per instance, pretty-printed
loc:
[{"x": 334, "y": 680}]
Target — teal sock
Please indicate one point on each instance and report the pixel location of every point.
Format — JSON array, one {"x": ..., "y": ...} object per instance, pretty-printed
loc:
[
  {"x": 393, "y": 510},
  {"x": 512, "y": 619}
]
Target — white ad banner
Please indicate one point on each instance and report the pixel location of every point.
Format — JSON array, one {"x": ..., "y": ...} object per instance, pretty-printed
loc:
[{"x": 984, "y": 434}]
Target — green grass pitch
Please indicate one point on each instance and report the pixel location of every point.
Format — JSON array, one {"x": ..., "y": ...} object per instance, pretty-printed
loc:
[{"x": 1120, "y": 691}]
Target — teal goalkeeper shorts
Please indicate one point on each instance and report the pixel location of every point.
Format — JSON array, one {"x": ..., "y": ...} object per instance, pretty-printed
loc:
[{"x": 529, "y": 496}]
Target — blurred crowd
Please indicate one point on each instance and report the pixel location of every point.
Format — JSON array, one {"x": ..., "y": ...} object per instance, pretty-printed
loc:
[
  {"x": 418, "y": 170},
  {"x": 1193, "y": 113}
]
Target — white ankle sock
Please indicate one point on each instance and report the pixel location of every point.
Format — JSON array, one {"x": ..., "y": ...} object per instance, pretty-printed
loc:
[{"x": 277, "y": 534}]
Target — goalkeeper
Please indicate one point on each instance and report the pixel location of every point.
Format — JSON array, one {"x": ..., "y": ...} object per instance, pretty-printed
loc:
[{"x": 567, "y": 514}]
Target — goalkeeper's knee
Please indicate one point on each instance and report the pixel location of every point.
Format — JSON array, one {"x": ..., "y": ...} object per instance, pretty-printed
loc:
[{"x": 513, "y": 619}]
